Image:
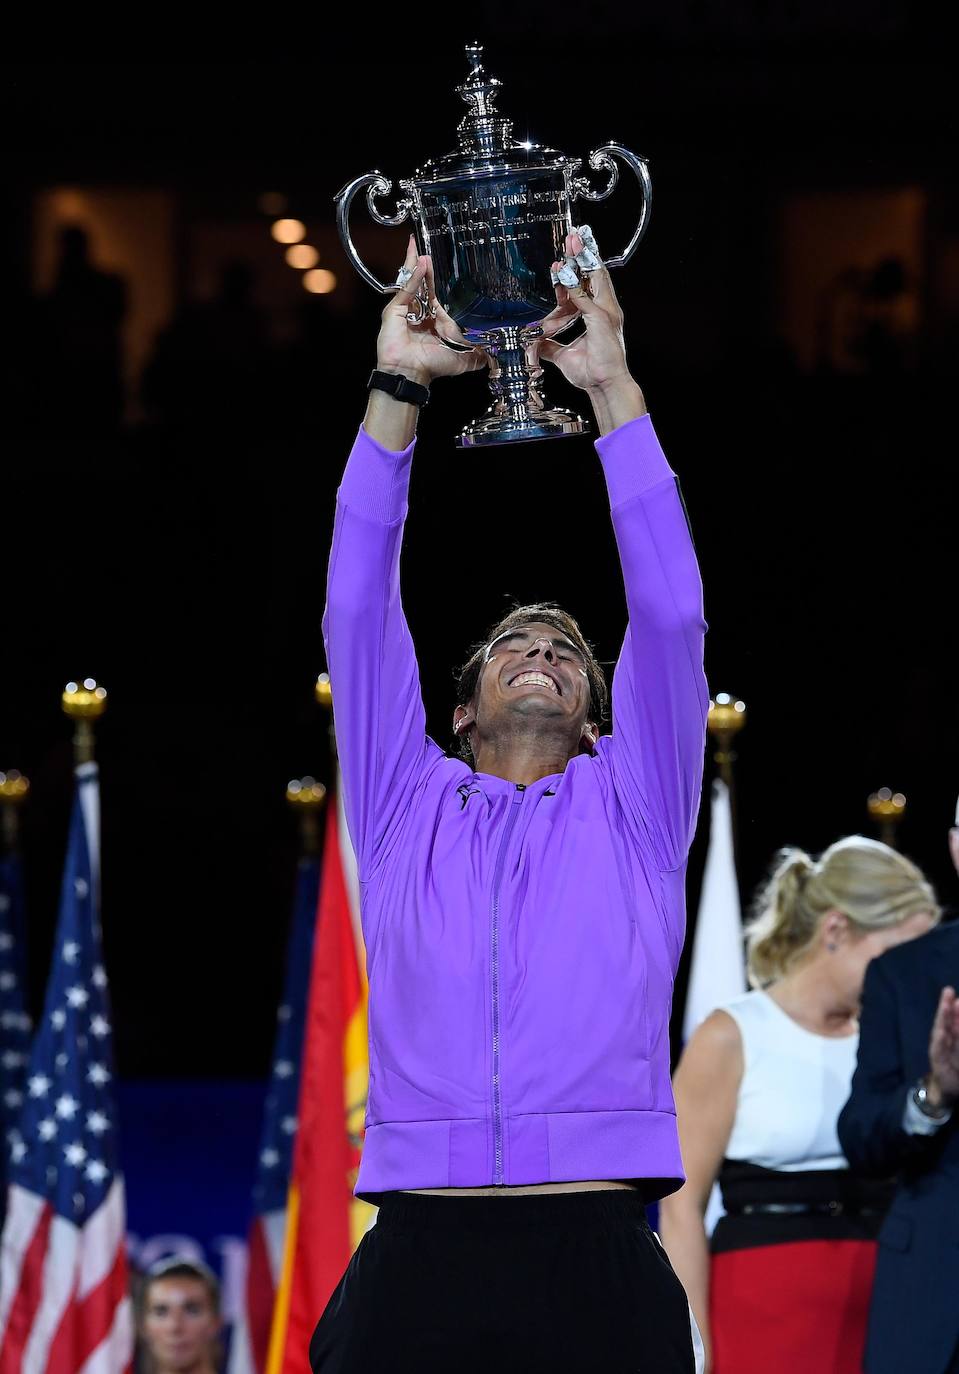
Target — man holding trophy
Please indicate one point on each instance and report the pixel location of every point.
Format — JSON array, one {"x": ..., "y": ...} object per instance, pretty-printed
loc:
[
  {"x": 522, "y": 904},
  {"x": 523, "y": 916}
]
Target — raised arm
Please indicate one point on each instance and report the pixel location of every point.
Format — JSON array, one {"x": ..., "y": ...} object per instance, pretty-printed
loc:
[
  {"x": 660, "y": 698},
  {"x": 380, "y": 722}
]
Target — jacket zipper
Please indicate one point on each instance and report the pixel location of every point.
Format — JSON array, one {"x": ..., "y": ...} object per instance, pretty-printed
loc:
[{"x": 517, "y": 798}]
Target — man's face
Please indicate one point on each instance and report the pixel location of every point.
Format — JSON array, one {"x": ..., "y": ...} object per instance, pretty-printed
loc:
[
  {"x": 180, "y": 1324},
  {"x": 534, "y": 674}
]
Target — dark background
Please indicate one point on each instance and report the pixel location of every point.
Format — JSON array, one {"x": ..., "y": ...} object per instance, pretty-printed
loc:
[{"x": 169, "y": 535}]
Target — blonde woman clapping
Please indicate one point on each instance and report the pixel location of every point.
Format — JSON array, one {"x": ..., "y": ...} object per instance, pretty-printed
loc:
[{"x": 784, "y": 1282}]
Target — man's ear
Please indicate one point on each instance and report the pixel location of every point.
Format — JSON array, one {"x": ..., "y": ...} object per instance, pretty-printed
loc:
[
  {"x": 590, "y": 734},
  {"x": 462, "y": 720}
]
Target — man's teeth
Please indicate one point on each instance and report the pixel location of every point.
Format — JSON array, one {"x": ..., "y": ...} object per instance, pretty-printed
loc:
[{"x": 540, "y": 679}]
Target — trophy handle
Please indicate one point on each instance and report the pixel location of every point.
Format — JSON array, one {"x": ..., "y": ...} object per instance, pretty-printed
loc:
[
  {"x": 376, "y": 185},
  {"x": 601, "y": 160}
]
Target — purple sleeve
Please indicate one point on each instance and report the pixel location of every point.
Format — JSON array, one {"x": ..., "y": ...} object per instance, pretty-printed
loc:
[
  {"x": 660, "y": 697},
  {"x": 378, "y": 707}
]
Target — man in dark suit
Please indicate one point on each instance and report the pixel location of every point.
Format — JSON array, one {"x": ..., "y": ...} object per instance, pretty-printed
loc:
[{"x": 902, "y": 1119}]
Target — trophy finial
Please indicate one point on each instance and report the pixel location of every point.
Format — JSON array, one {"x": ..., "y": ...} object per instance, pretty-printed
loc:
[{"x": 483, "y": 130}]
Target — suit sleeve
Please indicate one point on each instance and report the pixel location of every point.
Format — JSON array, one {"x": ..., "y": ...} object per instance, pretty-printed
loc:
[
  {"x": 871, "y": 1125},
  {"x": 660, "y": 698},
  {"x": 378, "y": 707}
]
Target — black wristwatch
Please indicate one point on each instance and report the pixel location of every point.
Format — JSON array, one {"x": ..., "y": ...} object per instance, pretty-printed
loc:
[{"x": 399, "y": 387}]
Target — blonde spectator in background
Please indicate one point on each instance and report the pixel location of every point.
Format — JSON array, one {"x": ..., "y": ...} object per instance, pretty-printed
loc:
[
  {"x": 179, "y": 1318},
  {"x": 784, "y": 1283}
]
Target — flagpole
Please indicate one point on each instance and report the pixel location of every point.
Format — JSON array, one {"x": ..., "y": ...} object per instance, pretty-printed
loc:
[
  {"x": 726, "y": 717},
  {"x": 13, "y": 790},
  {"x": 324, "y": 696},
  {"x": 83, "y": 702},
  {"x": 306, "y": 797},
  {"x": 886, "y": 810}
]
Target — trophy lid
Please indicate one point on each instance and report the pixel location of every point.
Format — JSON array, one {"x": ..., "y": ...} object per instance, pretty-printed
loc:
[{"x": 486, "y": 141}]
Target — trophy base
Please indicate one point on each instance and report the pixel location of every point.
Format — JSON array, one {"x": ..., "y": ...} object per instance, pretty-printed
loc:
[{"x": 494, "y": 428}]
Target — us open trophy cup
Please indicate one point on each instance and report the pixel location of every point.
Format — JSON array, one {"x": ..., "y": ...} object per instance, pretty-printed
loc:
[{"x": 493, "y": 215}]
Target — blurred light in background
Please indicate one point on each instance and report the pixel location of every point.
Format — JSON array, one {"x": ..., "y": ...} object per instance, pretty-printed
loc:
[
  {"x": 302, "y": 255},
  {"x": 319, "y": 281},
  {"x": 288, "y": 230},
  {"x": 272, "y": 203}
]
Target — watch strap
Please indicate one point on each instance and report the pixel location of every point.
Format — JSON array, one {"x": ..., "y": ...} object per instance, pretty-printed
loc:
[{"x": 399, "y": 387}]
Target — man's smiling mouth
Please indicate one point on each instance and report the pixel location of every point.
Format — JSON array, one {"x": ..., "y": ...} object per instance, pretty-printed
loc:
[{"x": 536, "y": 679}]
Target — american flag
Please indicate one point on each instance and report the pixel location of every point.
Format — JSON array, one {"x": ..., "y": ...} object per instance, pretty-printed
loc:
[
  {"x": 15, "y": 1026},
  {"x": 251, "y": 1335},
  {"x": 64, "y": 1305}
]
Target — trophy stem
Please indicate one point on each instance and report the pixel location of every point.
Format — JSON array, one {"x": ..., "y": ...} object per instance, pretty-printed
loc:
[{"x": 517, "y": 414}]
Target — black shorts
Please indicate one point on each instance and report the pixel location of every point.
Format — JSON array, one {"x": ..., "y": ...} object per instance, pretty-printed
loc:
[{"x": 507, "y": 1285}]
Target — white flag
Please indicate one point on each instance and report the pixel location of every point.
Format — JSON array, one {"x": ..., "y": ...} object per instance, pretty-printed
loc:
[{"x": 718, "y": 969}]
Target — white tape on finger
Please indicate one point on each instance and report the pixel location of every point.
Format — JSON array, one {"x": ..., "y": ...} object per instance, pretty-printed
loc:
[
  {"x": 567, "y": 274},
  {"x": 403, "y": 276},
  {"x": 589, "y": 259}
]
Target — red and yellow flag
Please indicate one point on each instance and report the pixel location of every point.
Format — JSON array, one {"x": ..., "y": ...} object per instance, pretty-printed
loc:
[{"x": 325, "y": 1222}]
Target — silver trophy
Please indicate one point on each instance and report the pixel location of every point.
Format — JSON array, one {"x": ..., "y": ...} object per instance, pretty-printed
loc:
[{"x": 494, "y": 216}]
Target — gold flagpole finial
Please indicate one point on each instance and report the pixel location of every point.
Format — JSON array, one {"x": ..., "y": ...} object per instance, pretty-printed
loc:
[
  {"x": 13, "y": 786},
  {"x": 886, "y": 809},
  {"x": 13, "y": 790},
  {"x": 727, "y": 716},
  {"x": 324, "y": 692},
  {"x": 306, "y": 797},
  {"x": 83, "y": 702}
]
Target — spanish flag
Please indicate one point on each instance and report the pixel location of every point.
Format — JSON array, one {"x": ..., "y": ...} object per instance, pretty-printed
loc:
[{"x": 325, "y": 1222}]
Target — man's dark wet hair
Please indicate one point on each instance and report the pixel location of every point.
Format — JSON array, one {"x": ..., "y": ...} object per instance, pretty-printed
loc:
[{"x": 542, "y": 613}]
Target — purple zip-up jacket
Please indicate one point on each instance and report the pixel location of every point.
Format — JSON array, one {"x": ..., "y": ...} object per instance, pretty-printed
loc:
[{"x": 521, "y": 941}]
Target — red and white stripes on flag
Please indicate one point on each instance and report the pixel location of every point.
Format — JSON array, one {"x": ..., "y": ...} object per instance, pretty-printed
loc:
[
  {"x": 64, "y": 1302},
  {"x": 251, "y": 1333},
  {"x": 64, "y": 1305}
]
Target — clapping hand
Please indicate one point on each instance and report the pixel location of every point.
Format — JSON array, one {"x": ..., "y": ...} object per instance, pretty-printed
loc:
[{"x": 944, "y": 1051}]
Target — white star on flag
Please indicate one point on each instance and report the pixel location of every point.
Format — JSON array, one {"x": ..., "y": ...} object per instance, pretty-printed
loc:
[
  {"x": 99, "y": 1025},
  {"x": 269, "y": 1158},
  {"x": 70, "y": 951},
  {"x": 8, "y": 981},
  {"x": 66, "y": 1107},
  {"x": 77, "y": 996},
  {"x": 289, "y": 1124},
  {"x": 99, "y": 976},
  {"x": 17, "y": 1151},
  {"x": 97, "y": 1122},
  {"x": 6, "y": 940},
  {"x": 13, "y": 1098},
  {"x": 98, "y": 1074},
  {"x": 47, "y": 1128},
  {"x": 96, "y": 1171},
  {"x": 81, "y": 887},
  {"x": 283, "y": 1068},
  {"x": 39, "y": 1085},
  {"x": 12, "y": 1059},
  {"x": 58, "y": 1019},
  {"x": 75, "y": 1153}
]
